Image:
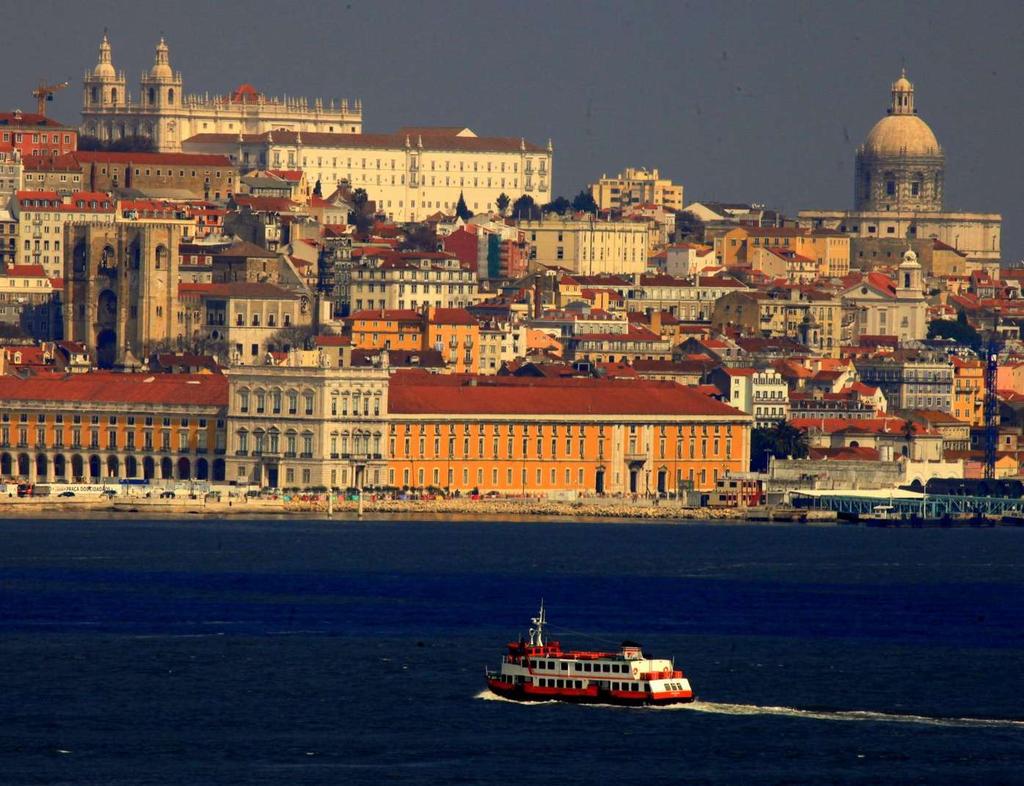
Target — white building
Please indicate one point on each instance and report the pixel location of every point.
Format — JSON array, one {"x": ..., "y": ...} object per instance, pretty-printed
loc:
[
  {"x": 167, "y": 116},
  {"x": 409, "y": 175},
  {"x": 878, "y": 306},
  {"x": 307, "y": 425}
]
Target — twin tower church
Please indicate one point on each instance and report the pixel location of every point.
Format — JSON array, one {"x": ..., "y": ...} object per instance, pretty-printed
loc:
[{"x": 161, "y": 110}]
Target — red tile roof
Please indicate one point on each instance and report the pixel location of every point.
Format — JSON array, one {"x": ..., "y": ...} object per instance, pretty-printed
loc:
[
  {"x": 29, "y": 119},
  {"x": 452, "y": 316},
  {"x": 154, "y": 159},
  {"x": 28, "y": 271},
  {"x": 386, "y": 314},
  {"x": 421, "y": 394},
  {"x": 169, "y": 389}
]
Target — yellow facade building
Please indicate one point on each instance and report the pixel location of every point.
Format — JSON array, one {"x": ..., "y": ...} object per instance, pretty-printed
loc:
[
  {"x": 969, "y": 391},
  {"x": 634, "y": 187},
  {"x": 537, "y": 437},
  {"x": 409, "y": 175},
  {"x": 588, "y": 245}
]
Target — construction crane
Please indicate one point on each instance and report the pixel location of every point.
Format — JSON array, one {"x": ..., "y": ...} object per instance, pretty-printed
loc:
[
  {"x": 44, "y": 93},
  {"x": 991, "y": 399}
]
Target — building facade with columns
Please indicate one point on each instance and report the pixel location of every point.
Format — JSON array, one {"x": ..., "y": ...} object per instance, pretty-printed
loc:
[
  {"x": 103, "y": 427},
  {"x": 164, "y": 113},
  {"x": 409, "y": 175},
  {"x": 308, "y": 423}
]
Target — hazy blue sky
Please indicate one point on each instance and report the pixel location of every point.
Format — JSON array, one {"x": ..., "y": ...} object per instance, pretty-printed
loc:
[{"x": 737, "y": 101}]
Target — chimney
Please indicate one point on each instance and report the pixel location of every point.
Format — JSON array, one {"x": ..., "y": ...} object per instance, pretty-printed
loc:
[{"x": 656, "y": 321}]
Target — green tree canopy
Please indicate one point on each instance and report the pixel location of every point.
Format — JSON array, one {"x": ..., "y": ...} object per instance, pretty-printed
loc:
[
  {"x": 559, "y": 205},
  {"x": 780, "y": 440},
  {"x": 502, "y": 202},
  {"x": 689, "y": 227},
  {"x": 584, "y": 202},
  {"x": 525, "y": 208},
  {"x": 957, "y": 330},
  {"x": 462, "y": 210}
]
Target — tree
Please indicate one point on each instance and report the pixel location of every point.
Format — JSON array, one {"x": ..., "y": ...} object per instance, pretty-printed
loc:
[
  {"x": 461, "y": 210},
  {"x": 419, "y": 238},
  {"x": 318, "y": 189},
  {"x": 525, "y": 208},
  {"x": 128, "y": 144},
  {"x": 502, "y": 202},
  {"x": 294, "y": 337},
  {"x": 689, "y": 227},
  {"x": 361, "y": 217},
  {"x": 780, "y": 440},
  {"x": 559, "y": 205},
  {"x": 958, "y": 330},
  {"x": 584, "y": 202}
]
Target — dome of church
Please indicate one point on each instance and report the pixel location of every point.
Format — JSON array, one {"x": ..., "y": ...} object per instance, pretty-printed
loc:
[
  {"x": 897, "y": 135},
  {"x": 162, "y": 66},
  {"x": 104, "y": 67}
]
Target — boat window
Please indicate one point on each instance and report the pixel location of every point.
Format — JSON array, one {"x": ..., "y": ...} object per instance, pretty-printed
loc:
[
  {"x": 647, "y": 686},
  {"x": 561, "y": 683},
  {"x": 604, "y": 667},
  {"x": 565, "y": 666},
  {"x": 586, "y": 667},
  {"x": 551, "y": 664},
  {"x": 578, "y": 666},
  {"x": 579, "y": 684}
]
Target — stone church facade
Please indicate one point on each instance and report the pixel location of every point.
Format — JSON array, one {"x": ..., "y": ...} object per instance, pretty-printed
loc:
[
  {"x": 121, "y": 289},
  {"x": 166, "y": 115}
]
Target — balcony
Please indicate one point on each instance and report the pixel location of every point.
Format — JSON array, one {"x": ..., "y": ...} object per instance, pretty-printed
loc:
[
  {"x": 306, "y": 455},
  {"x": 241, "y": 452},
  {"x": 289, "y": 454}
]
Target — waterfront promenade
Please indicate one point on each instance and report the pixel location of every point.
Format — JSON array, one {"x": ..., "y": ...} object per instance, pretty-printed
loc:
[{"x": 317, "y": 504}]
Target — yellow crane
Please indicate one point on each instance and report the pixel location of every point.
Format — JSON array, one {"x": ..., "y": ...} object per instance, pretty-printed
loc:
[{"x": 44, "y": 93}]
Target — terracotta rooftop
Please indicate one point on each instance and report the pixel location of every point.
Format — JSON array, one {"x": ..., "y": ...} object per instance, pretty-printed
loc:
[
  {"x": 105, "y": 386},
  {"x": 421, "y": 394}
]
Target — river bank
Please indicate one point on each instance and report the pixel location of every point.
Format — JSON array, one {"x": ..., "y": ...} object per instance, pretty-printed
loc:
[{"x": 663, "y": 510}]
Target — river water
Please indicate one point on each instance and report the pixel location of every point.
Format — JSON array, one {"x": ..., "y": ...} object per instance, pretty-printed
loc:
[{"x": 315, "y": 652}]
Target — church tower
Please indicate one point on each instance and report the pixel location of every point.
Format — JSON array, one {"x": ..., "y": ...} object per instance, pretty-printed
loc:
[
  {"x": 900, "y": 166},
  {"x": 161, "y": 96},
  {"x": 104, "y": 88}
]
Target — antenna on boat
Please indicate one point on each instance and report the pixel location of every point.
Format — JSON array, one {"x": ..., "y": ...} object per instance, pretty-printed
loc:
[{"x": 537, "y": 631}]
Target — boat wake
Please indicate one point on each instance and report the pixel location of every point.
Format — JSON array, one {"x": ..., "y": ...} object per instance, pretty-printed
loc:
[{"x": 721, "y": 708}]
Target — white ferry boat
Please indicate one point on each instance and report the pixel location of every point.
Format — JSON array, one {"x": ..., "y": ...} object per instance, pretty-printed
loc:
[{"x": 536, "y": 670}]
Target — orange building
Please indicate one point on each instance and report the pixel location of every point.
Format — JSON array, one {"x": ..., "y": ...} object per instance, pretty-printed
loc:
[
  {"x": 969, "y": 391},
  {"x": 539, "y": 436},
  {"x": 398, "y": 328},
  {"x": 104, "y": 426},
  {"x": 455, "y": 333}
]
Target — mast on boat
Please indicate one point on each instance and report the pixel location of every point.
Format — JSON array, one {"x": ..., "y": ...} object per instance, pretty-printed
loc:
[{"x": 537, "y": 631}]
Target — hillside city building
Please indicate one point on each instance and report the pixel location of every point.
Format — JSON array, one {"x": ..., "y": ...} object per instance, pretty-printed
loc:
[{"x": 164, "y": 113}]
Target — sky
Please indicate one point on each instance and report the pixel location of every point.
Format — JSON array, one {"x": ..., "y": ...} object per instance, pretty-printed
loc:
[{"x": 738, "y": 101}]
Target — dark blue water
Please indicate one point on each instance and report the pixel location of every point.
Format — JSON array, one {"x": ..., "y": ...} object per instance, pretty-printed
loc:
[{"x": 305, "y": 652}]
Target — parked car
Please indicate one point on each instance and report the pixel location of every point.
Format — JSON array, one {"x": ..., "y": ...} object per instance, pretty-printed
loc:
[
  {"x": 108, "y": 493},
  {"x": 167, "y": 495},
  {"x": 66, "y": 494}
]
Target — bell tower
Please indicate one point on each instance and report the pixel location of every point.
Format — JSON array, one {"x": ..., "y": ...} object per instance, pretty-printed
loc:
[
  {"x": 161, "y": 97},
  {"x": 104, "y": 87}
]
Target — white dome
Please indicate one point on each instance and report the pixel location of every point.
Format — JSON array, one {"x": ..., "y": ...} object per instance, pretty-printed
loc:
[{"x": 902, "y": 135}]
